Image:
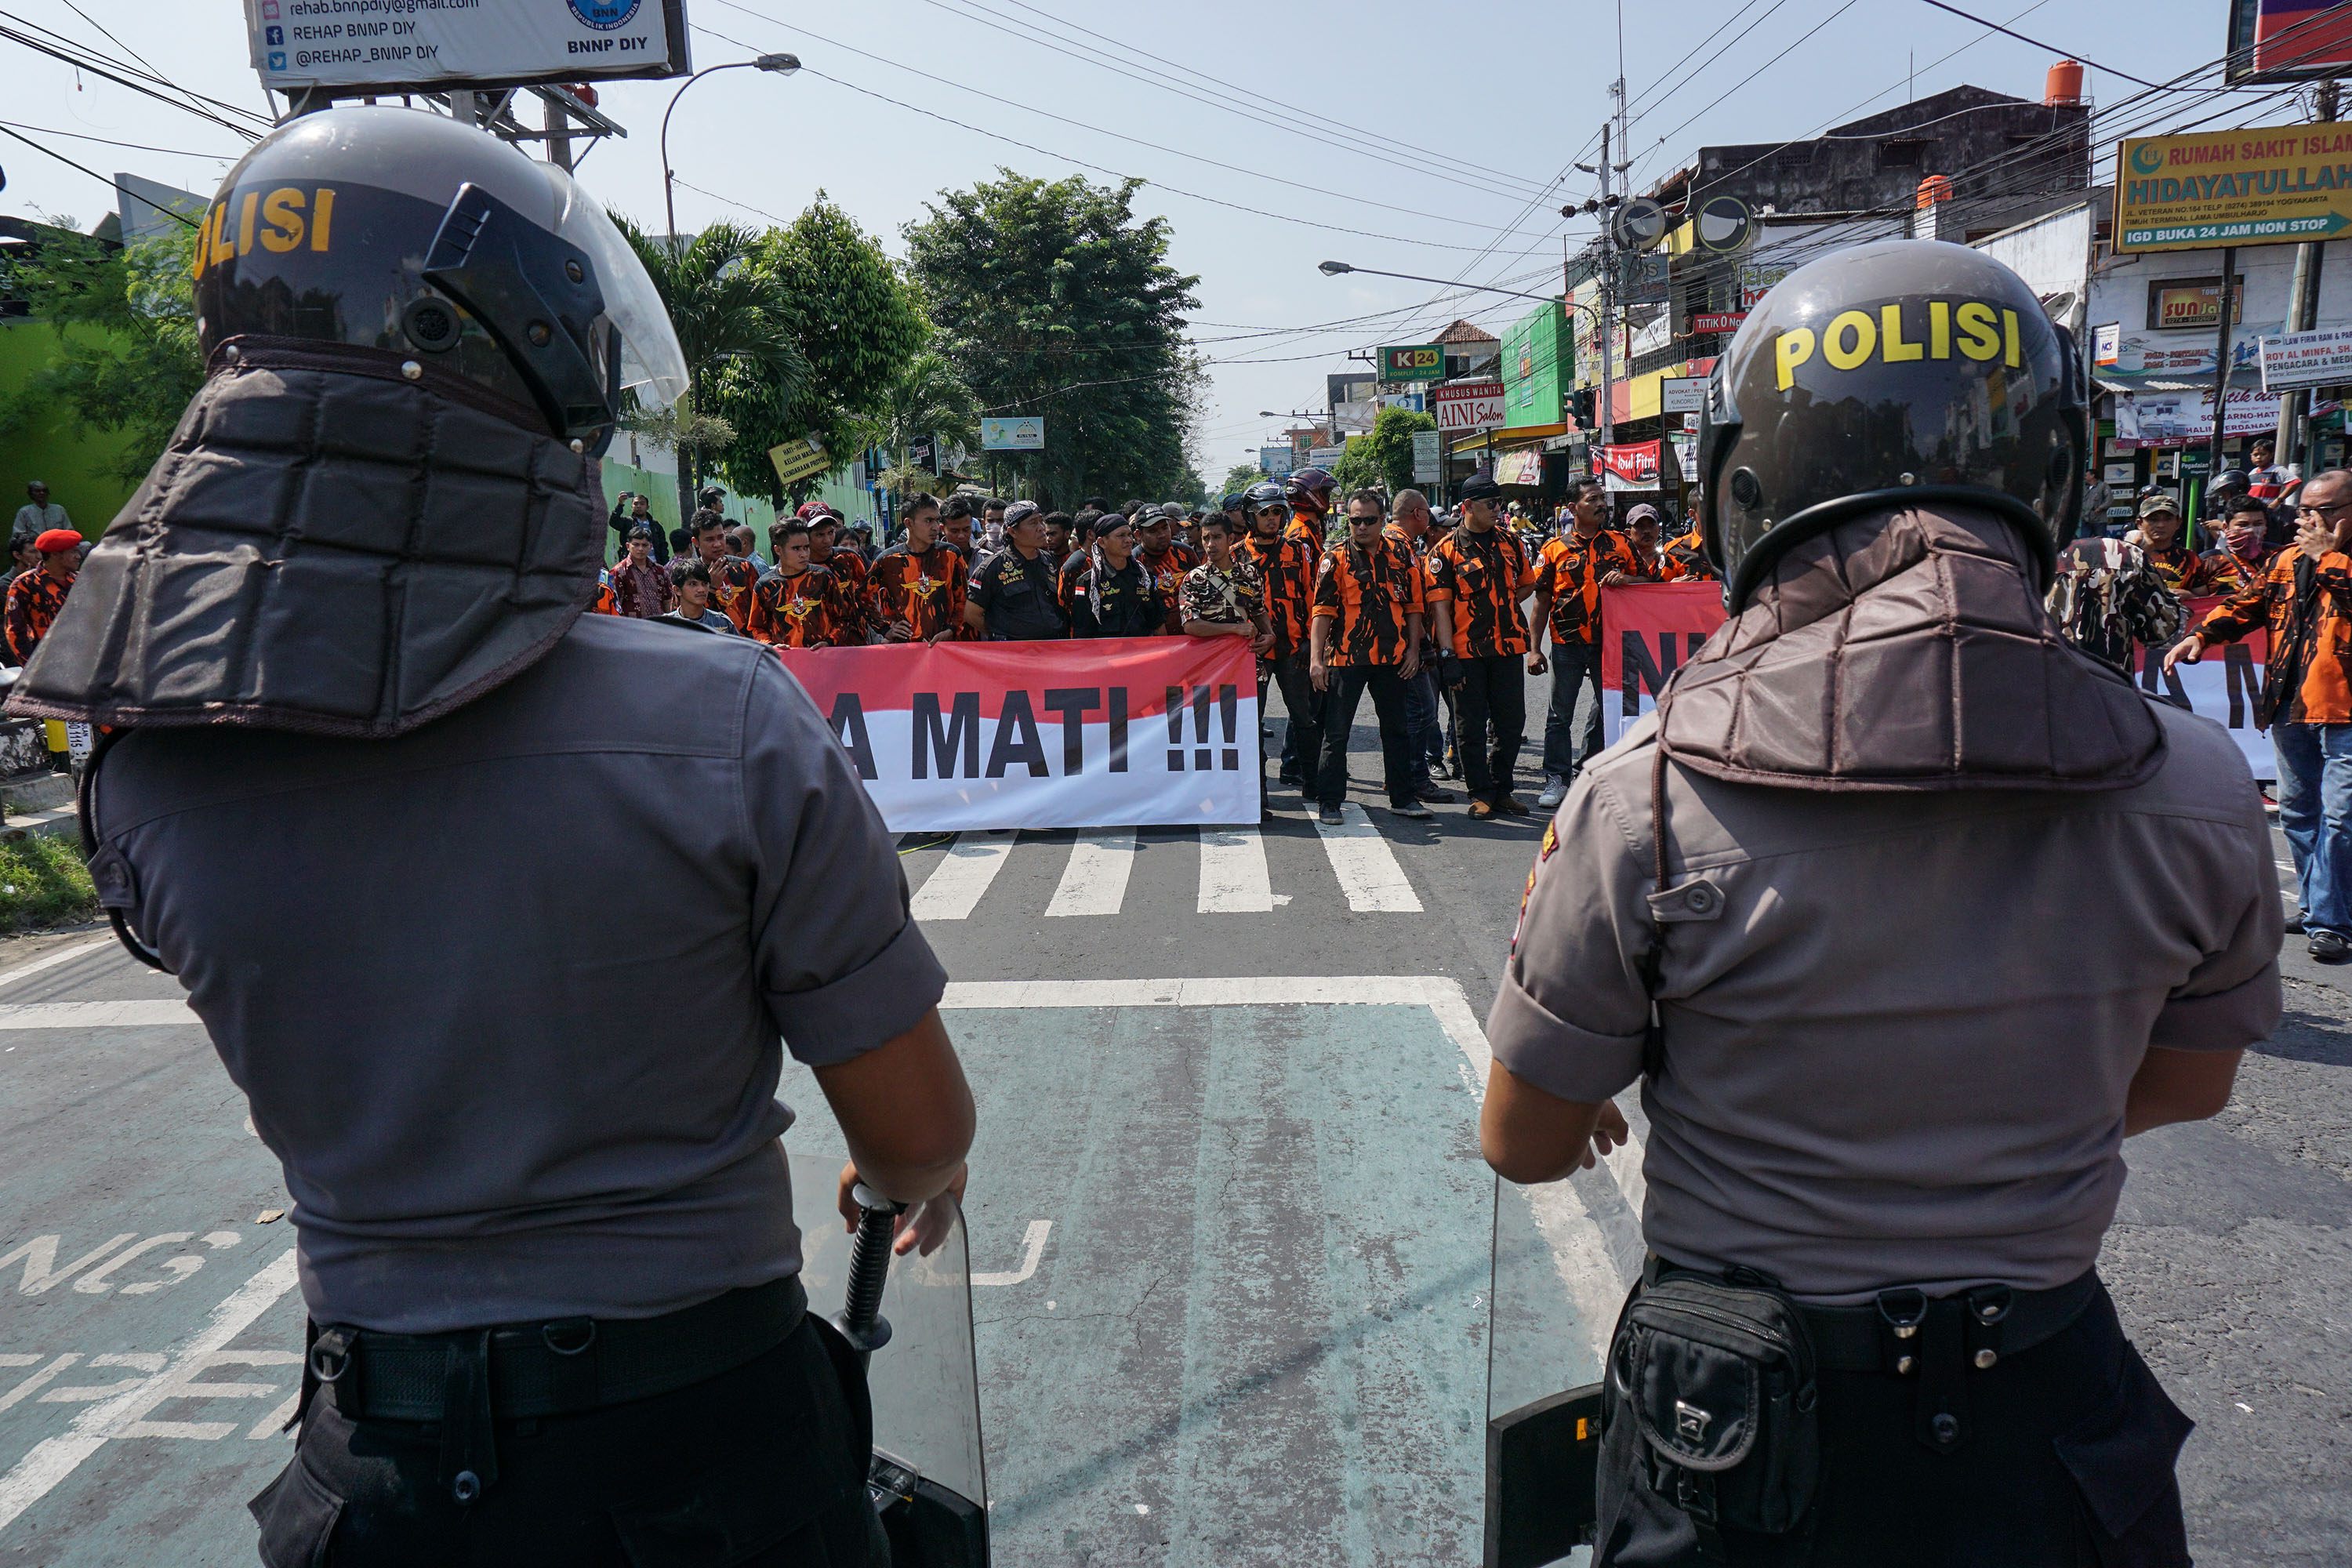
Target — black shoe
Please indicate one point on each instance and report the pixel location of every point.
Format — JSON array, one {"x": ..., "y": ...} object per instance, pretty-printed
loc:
[
  {"x": 2295, "y": 924},
  {"x": 2328, "y": 948},
  {"x": 1329, "y": 815},
  {"x": 1291, "y": 779},
  {"x": 1411, "y": 808},
  {"x": 1432, "y": 795}
]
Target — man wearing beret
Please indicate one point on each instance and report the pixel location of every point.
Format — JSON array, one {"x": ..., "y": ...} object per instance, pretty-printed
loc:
[{"x": 36, "y": 597}]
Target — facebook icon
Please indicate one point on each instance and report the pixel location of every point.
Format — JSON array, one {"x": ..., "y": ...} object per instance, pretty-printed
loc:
[{"x": 277, "y": 34}]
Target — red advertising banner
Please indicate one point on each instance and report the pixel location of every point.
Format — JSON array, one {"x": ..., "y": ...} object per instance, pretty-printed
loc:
[
  {"x": 1134, "y": 732},
  {"x": 1631, "y": 467},
  {"x": 1650, "y": 631}
]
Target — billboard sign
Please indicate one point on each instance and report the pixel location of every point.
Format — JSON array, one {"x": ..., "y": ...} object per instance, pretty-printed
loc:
[
  {"x": 1464, "y": 407},
  {"x": 1276, "y": 462},
  {"x": 2265, "y": 186},
  {"x": 1717, "y": 320},
  {"x": 1682, "y": 393},
  {"x": 1428, "y": 456},
  {"x": 1634, "y": 467},
  {"x": 2321, "y": 358},
  {"x": 2106, "y": 344},
  {"x": 1013, "y": 433},
  {"x": 2283, "y": 40},
  {"x": 2159, "y": 419},
  {"x": 1413, "y": 362},
  {"x": 1538, "y": 364},
  {"x": 384, "y": 45}
]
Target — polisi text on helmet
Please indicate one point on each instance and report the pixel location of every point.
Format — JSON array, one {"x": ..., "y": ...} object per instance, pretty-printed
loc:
[
  {"x": 280, "y": 220},
  {"x": 1902, "y": 331}
]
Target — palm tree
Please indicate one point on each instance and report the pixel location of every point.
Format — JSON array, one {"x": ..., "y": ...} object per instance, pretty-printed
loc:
[
  {"x": 731, "y": 317},
  {"x": 928, "y": 399}
]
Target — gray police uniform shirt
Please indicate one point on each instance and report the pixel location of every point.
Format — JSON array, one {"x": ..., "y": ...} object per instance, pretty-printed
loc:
[
  {"x": 509, "y": 994},
  {"x": 1899, "y": 1024}
]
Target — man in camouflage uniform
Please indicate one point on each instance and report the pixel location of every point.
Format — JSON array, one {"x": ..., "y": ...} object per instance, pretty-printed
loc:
[{"x": 2106, "y": 596}]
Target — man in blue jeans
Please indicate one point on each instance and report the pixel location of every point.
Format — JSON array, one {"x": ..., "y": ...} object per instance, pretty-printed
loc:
[{"x": 2304, "y": 602}]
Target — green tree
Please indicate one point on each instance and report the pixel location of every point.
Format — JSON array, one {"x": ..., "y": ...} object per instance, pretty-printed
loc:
[
  {"x": 857, "y": 321},
  {"x": 1051, "y": 297},
  {"x": 1240, "y": 477},
  {"x": 927, "y": 399},
  {"x": 1383, "y": 457},
  {"x": 128, "y": 360},
  {"x": 746, "y": 371}
]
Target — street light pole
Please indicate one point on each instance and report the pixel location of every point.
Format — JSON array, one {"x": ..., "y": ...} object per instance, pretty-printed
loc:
[{"x": 779, "y": 65}]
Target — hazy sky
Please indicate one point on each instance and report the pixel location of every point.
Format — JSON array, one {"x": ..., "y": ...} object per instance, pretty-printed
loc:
[{"x": 1439, "y": 134}]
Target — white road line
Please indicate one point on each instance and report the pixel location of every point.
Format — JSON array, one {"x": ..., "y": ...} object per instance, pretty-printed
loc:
[
  {"x": 1094, "y": 881},
  {"x": 93, "y": 1015},
  {"x": 1033, "y": 1247},
  {"x": 51, "y": 959},
  {"x": 955, "y": 885},
  {"x": 1232, "y": 872},
  {"x": 52, "y": 1460},
  {"x": 1367, "y": 867}
]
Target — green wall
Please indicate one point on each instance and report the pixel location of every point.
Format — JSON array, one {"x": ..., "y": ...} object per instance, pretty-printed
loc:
[
  {"x": 46, "y": 448},
  {"x": 1538, "y": 359}
]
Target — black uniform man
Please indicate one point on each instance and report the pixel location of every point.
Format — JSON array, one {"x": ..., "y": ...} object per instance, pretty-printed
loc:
[{"x": 400, "y": 817}]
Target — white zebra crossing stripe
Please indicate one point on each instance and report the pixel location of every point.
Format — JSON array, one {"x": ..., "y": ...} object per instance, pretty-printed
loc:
[
  {"x": 1094, "y": 881},
  {"x": 1232, "y": 872},
  {"x": 1367, "y": 867},
  {"x": 955, "y": 885}
]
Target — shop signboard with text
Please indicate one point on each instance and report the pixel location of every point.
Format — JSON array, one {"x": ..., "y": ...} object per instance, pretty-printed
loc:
[
  {"x": 2261, "y": 186},
  {"x": 1538, "y": 364},
  {"x": 1631, "y": 466},
  {"x": 2321, "y": 358},
  {"x": 2157, "y": 419},
  {"x": 438, "y": 45},
  {"x": 1013, "y": 433},
  {"x": 1413, "y": 362},
  {"x": 1464, "y": 407}
]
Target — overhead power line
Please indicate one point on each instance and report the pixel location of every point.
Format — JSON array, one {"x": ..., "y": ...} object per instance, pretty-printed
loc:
[
  {"x": 2052, "y": 48},
  {"x": 94, "y": 175}
]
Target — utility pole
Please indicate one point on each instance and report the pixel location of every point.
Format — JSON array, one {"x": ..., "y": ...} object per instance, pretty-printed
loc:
[
  {"x": 2222, "y": 368},
  {"x": 1608, "y": 402},
  {"x": 2302, "y": 313}
]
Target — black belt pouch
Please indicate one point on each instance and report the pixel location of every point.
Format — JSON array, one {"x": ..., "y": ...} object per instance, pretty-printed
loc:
[{"x": 1717, "y": 1375}]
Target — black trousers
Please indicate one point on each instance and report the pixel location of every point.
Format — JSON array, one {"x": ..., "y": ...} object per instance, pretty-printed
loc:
[
  {"x": 1571, "y": 739},
  {"x": 1347, "y": 684},
  {"x": 2068, "y": 1464},
  {"x": 1304, "y": 747},
  {"x": 763, "y": 1464},
  {"x": 1493, "y": 702}
]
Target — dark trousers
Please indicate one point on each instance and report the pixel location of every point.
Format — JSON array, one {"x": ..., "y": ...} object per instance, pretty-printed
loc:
[
  {"x": 763, "y": 1464},
  {"x": 1576, "y": 698},
  {"x": 1424, "y": 734},
  {"x": 1348, "y": 685},
  {"x": 2066, "y": 1463},
  {"x": 1493, "y": 702},
  {"x": 1303, "y": 745}
]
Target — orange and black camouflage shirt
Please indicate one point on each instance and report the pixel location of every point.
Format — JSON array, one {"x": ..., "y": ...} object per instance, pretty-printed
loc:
[
  {"x": 1571, "y": 570},
  {"x": 2182, "y": 569},
  {"x": 1167, "y": 576},
  {"x": 35, "y": 597},
  {"x": 732, "y": 578},
  {"x": 2224, "y": 573},
  {"x": 1683, "y": 560},
  {"x": 1308, "y": 529},
  {"x": 1367, "y": 594},
  {"x": 1482, "y": 576},
  {"x": 925, "y": 590},
  {"x": 849, "y": 568},
  {"x": 807, "y": 609},
  {"x": 1288, "y": 571},
  {"x": 2304, "y": 677}
]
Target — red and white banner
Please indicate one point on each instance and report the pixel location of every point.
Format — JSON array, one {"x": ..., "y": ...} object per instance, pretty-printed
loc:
[
  {"x": 1137, "y": 733},
  {"x": 1651, "y": 631},
  {"x": 1633, "y": 467}
]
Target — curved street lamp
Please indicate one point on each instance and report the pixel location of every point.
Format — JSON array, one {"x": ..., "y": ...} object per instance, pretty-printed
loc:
[
  {"x": 1334, "y": 268},
  {"x": 778, "y": 64}
]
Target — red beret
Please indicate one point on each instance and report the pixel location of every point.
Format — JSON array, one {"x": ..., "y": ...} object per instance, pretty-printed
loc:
[{"x": 57, "y": 541}]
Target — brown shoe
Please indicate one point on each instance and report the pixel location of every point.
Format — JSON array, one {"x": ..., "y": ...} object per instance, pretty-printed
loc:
[
  {"x": 1512, "y": 805},
  {"x": 1480, "y": 810}
]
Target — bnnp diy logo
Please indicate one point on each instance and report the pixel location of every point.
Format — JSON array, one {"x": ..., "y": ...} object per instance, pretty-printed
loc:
[{"x": 604, "y": 14}]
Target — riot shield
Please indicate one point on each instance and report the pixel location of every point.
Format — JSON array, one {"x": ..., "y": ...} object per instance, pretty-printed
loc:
[
  {"x": 929, "y": 1478},
  {"x": 1550, "y": 1317}
]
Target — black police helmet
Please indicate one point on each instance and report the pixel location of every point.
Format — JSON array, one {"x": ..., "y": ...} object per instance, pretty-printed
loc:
[
  {"x": 1902, "y": 371},
  {"x": 397, "y": 230}
]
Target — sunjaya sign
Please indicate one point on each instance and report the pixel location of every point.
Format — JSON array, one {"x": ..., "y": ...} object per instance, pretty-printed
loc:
[{"x": 2267, "y": 186}]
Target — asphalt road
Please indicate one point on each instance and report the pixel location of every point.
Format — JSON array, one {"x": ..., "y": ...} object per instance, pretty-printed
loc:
[{"x": 1227, "y": 1222}]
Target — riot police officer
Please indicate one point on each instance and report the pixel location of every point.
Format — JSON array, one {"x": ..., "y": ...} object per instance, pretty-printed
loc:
[
  {"x": 495, "y": 912},
  {"x": 1808, "y": 905}
]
